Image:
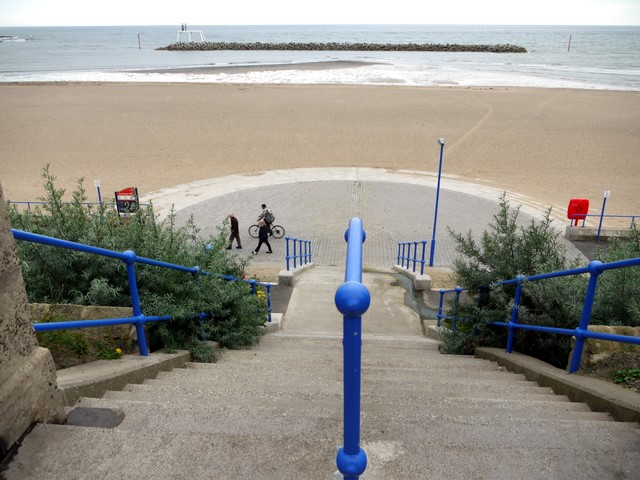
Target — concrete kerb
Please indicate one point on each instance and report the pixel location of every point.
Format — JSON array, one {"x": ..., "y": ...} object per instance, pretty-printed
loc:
[
  {"x": 600, "y": 396},
  {"x": 420, "y": 282},
  {"x": 591, "y": 233},
  {"x": 288, "y": 277},
  {"x": 95, "y": 378},
  {"x": 622, "y": 404},
  {"x": 274, "y": 325}
]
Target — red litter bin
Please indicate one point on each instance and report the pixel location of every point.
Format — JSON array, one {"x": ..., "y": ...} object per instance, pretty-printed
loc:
[{"x": 578, "y": 209}]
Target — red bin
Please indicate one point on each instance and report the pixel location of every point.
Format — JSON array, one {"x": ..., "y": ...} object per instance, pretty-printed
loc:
[{"x": 578, "y": 209}]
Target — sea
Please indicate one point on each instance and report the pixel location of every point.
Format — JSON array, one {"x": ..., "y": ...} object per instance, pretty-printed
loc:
[{"x": 583, "y": 57}]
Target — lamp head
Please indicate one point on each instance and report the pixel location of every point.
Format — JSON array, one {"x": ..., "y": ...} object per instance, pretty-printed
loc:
[{"x": 441, "y": 141}]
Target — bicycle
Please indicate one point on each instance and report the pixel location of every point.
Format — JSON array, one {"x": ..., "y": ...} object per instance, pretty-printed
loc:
[{"x": 276, "y": 230}]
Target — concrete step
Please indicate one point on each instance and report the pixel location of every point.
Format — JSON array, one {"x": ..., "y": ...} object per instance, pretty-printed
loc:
[
  {"x": 383, "y": 405},
  {"x": 267, "y": 419},
  {"x": 382, "y": 359},
  {"x": 335, "y": 371},
  {"x": 322, "y": 383},
  {"x": 54, "y": 451}
]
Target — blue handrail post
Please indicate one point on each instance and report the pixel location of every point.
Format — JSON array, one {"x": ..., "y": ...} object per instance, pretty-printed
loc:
[
  {"x": 406, "y": 254},
  {"x": 269, "y": 300},
  {"x": 130, "y": 260},
  {"x": 514, "y": 313},
  {"x": 415, "y": 255},
  {"x": 287, "y": 252},
  {"x": 202, "y": 316},
  {"x": 352, "y": 299},
  {"x": 424, "y": 248},
  {"x": 435, "y": 215},
  {"x": 295, "y": 257},
  {"x": 440, "y": 306},
  {"x": 454, "y": 322},
  {"x": 595, "y": 269}
]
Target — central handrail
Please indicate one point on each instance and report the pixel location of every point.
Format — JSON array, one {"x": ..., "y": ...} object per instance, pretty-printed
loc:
[{"x": 352, "y": 299}]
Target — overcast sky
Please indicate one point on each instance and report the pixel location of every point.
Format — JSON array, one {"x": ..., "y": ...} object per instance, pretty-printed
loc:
[{"x": 299, "y": 12}]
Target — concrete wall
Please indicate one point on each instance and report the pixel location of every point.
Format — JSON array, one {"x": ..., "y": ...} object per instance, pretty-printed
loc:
[
  {"x": 591, "y": 233},
  {"x": 28, "y": 386}
]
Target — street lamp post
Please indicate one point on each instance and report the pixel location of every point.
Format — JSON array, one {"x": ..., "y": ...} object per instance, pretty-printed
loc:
[{"x": 435, "y": 215}]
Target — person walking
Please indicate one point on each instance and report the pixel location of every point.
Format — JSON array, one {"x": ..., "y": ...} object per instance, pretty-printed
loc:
[
  {"x": 263, "y": 237},
  {"x": 235, "y": 232}
]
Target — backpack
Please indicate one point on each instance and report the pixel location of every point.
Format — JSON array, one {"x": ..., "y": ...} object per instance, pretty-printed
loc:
[{"x": 269, "y": 216}]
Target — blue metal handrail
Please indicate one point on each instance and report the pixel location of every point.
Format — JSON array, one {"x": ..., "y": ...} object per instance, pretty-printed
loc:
[
  {"x": 301, "y": 252},
  {"x": 88, "y": 204},
  {"x": 405, "y": 258},
  {"x": 352, "y": 300},
  {"x": 594, "y": 269},
  {"x": 130, "y": 259}
]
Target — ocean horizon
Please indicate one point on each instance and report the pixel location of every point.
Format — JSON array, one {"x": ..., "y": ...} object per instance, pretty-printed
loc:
[{"x": 583, "y": 57}]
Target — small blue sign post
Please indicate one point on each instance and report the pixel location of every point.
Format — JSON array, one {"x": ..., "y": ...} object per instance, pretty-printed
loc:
[{"x": 607, "y": 194}]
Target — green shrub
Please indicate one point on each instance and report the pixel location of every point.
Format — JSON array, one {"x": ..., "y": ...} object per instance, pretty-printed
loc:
[
  {"x": 618, "y": 294},
  {"x": 507, "y": 250},
  {"x": 55, "y": 275}
]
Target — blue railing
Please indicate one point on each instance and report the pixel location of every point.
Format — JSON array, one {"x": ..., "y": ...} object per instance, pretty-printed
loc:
[
  {"x": 352, "y": 299},
  {"x": 86, "y": 204},
  {"x": 130, "y": 259},
  {"x": 300, "y": 253},
  {"x": 409, "y": 257},
  {"x": 593, "y": 269}
]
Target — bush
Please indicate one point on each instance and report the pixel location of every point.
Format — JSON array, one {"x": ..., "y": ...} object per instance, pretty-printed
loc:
[
  {"x": 232, "y": 315},
  {"x": 508, "y": 250},
  {"x": 504, "y": 252},
  {"x": 618, "y": 294}
]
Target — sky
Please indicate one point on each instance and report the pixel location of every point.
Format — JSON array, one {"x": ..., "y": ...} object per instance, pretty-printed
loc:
[{"x": 297, "y": 12}]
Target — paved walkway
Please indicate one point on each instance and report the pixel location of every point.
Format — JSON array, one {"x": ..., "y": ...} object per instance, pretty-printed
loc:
[{"x": 317, "y": 204}]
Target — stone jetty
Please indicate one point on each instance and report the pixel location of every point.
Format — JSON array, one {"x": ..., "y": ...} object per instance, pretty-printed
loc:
[{"x": 346, "y": 47}]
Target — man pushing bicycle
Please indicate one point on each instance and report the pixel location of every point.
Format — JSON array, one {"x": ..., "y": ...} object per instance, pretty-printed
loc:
[{"x": 268, "y": 217}]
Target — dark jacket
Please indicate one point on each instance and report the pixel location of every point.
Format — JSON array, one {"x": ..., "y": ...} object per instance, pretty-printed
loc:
[
  {"x": 234, "y": 225},
  {"x": 263, "y": 233}
]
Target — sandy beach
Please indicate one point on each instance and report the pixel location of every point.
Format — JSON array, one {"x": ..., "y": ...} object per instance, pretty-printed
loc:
[{"x": 548, "y": 144}]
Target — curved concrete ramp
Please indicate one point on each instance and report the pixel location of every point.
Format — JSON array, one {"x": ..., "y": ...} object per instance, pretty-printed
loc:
[{"x": 317, "y": 204}]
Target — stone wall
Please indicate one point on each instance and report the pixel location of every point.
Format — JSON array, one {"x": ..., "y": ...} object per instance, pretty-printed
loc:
[
  {"x": 28, "y": 388},
  {"x": 595, "y": 349}
]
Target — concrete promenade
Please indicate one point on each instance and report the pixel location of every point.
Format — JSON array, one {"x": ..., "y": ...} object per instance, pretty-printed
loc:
[{"x": 317, "y": 204}]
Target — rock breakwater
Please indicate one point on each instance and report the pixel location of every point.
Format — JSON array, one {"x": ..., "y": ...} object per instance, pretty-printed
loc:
[{"x": 346, "y": 47}]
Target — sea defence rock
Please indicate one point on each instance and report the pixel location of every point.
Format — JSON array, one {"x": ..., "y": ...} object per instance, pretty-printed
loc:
[{"x": 346, "y": 47}]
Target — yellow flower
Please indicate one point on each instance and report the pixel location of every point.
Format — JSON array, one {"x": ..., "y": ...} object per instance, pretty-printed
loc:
[{"x": 118, "y": 351}]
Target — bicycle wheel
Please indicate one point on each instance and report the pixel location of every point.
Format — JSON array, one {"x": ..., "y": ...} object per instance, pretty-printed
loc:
[
  {"x": 253, "y": 231},
  {"x": 277, "y": 231}
]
